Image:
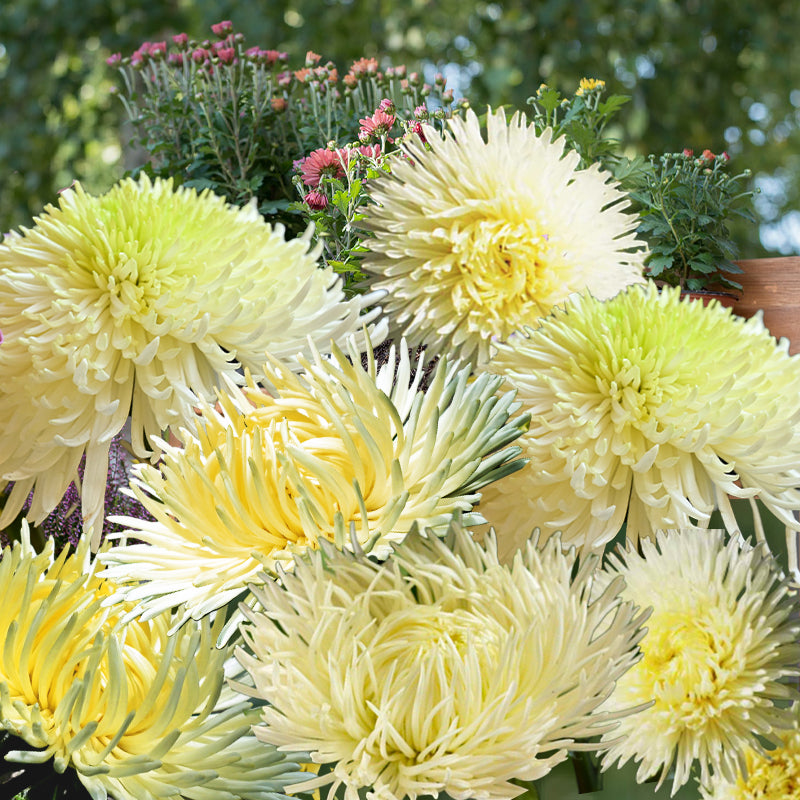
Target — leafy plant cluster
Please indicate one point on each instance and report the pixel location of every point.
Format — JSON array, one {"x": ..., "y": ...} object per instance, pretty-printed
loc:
[
  {"x": 220, "y": 115},
  {"x": 685, "y": 204},
  {"x": 333, "y": 182},
  {"x": 582, "y": 119}
]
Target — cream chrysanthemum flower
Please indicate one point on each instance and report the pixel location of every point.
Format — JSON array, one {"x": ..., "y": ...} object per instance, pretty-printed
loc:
[
  {"x": 115, "y": 305},
  {"x": 648, "y": 406},
  {"x": 265, "y": 477},
  {"x": 773, "y": 775},
  {"x": 137, "y": 713},
  {"x": 440, "y": 670},
  {"x": 721, "y": 640},
  {"x": 474, "y": 239}
]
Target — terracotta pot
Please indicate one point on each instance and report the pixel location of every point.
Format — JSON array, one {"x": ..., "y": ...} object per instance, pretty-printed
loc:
[
  {"x": 772, "y": 285},
  {"x": 726, "y": 299}
]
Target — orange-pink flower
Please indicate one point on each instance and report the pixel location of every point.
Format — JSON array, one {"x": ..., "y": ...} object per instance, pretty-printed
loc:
[{"x": 321, "y": 162}]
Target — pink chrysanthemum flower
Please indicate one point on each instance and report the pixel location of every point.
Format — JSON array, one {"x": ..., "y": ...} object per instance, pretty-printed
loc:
[
  {"x": 379, "y": 124},
  {"x": 321, "y": 162}
]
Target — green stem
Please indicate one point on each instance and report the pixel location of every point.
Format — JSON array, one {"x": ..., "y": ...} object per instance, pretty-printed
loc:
[{"x": 587, "y": 773}]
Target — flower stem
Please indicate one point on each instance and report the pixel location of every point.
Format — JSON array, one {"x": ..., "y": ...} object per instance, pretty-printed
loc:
[{"x": 587, "y": 773}]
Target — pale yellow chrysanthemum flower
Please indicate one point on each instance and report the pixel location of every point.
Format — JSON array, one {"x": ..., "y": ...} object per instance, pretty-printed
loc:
[
  {"x": 267, "y": 476},
  {"x": 137, "y": 713},
  {"x": 649, "y": 407},
  {"x": 721, "y": 642},
  {"x": 119, "y": 305},
  {"x": 440, "y": 670},
  {"x": 772, "y": 775},
  {"x": 476, "y": 238}
]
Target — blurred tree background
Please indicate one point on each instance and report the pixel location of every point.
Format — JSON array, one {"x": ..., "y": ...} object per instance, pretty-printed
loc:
[{"x": 717, "y": 74}]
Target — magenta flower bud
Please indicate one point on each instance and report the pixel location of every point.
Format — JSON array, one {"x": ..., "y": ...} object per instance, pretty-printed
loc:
[{"x": 316, "y": 201}]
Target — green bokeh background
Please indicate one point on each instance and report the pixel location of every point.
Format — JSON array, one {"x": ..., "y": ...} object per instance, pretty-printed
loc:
[{"x": 718, "y": 74}]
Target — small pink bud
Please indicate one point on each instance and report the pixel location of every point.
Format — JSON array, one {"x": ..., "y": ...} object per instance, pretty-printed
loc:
[
  {"x": 316, "y": 201},
  {"x": 222, "y": 28},
  {"x": 181, "y": 39}
]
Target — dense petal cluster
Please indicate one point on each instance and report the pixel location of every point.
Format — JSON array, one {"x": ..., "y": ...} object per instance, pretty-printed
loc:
[
  {"x": 721, "y": 641},
  {"x": 112, "y": 306},
  {"x": 774, "y": 775},
  {"x": 651, "y": 407},
  {"x": 139, "y": 714},
  {"x": 474, "y": 239},
  {"x": 264, "y": 477},
  {"x": 440, "y": 670}
]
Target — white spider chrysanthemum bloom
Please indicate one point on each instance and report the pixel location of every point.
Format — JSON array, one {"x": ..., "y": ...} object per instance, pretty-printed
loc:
[
  {"x": 772, "y": 775},
  {"x": 112, "y": 306},
  {"x": 266, "y": 477},
  {"x": 649, "y": 406},
  {"x": 474, "y": 239},
  {"x": 137, "y": 713},
  {"x": 721, "y": 640},
  {"x": 440, "y": 670}
]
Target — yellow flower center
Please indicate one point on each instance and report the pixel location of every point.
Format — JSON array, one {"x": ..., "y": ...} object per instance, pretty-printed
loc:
[
  {"x": 687, "y": 661},
  {"x": 441, "y": 652},
  {"x": 504, "y": 268},
  {"x": 130, "y": 289},
  {"x": 775, "y": 777},
  {"x": 40, "y": 676},
  {"x": 283, "y": 471}
]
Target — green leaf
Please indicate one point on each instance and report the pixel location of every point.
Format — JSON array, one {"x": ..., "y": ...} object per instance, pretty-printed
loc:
[{"x": 657, "y": 264}]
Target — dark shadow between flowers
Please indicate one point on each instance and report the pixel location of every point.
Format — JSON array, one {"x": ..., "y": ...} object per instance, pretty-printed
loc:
[{"x": 41, "y": 780}]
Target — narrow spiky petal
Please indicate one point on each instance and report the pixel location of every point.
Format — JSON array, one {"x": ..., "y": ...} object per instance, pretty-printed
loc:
[
  {"x": 264, "y": 477},
  {"x": 440, "y": 670},
  {"x": 771, "y": 775},
  {"x": 721, "y": 643},
  {"x": 127, "y": 304},
  {"x": 138, "y": 713},
  {"x": 476, "y": 238},
  {"x": 650, "y": 407}
]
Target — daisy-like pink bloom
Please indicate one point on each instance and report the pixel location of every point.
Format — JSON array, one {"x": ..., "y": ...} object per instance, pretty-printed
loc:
[
  {"x": 321, "y": 162},
  {"x": 379, "y": 124}
]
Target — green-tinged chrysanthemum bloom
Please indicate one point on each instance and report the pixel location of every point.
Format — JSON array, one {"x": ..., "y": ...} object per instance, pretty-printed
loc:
[
  {"x": 651, "y": 407},
  {"x": 440, "y": 670},
  {"x": 115, "y": 306},
  {"x": 476, "y": 238},
  {"x": 265, "y": 477},
  {"x": 721, "y": 642},
  {"x": 770, "y": 775},
  {"x": 139, "y": 714}
]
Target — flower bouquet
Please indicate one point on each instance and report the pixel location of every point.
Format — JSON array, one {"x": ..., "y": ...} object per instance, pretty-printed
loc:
[{"x": 439, "y": 497}]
